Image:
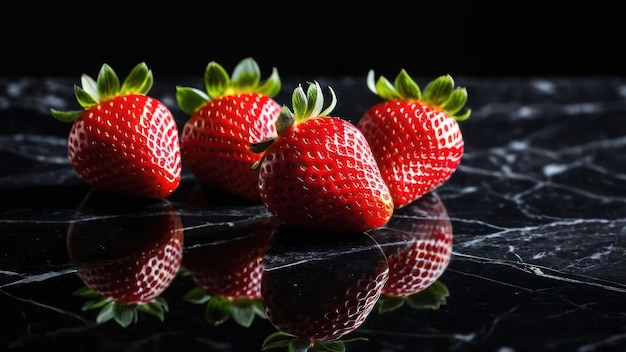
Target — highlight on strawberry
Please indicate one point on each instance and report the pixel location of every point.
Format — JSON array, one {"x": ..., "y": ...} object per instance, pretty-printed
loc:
[
  {"x": 224, "y": 119},
  {"x": 415, "y": 136},
  {"x": 123, "y": 140},
  {"x": 319, "y": 171}
]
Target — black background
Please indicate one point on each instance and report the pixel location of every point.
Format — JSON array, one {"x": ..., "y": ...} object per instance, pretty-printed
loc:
[{"x": 317, "y": 39}]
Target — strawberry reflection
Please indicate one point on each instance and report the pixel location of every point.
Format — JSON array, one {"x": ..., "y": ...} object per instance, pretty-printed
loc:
[
  {"x": 227, "y": 268},
  {"x": 127, "y": 251},
  {"x": 319, "y": 286},
  {"x": 418, "y": 244}
]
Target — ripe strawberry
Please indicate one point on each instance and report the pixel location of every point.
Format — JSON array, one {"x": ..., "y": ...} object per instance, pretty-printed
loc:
[
  {"x": 319, "y": 286},
  {"x": 415, "y": 137},
  {"x": 227, "y": 270},
  {"x": 320, "y": 170},
  {"x": 418, "y": 244},
  {"x": 123, "y": 140},
  {"x": 127, "y": 250},
  {"x": 236, "y": 112}
]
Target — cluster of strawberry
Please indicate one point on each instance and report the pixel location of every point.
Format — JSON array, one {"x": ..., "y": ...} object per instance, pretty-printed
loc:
[{"x": 309, "y": 168}]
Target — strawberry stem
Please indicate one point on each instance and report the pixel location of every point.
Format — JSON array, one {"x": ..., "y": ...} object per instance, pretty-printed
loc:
[
  {"x": 285, "y": 120},
  {"x": 310, "y": 105}
]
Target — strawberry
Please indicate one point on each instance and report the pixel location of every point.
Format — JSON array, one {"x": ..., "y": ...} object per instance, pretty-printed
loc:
[
  {"x": 227, "y": 270},
  {"x": 415, "y": 137},
  {"x": 236, "y": 112},
  {"x": 127, "y": 251},
  {"x": 123, "y": 141},
  {"x": 319, "y": 286},
  {"x": 320, "y": 171},
  {"x": 418, "y": 245}
]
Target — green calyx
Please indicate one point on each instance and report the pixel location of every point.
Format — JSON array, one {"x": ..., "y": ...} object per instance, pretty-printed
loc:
[
  {"x": 439, "y": 93},
  {"x": 220, "y": 308},
  {"x": 309, "y": 105},
  {"x": 124, "y": 314},
  {"x": 431, "y": 297},
  {"x": 246, "y": 78},
  {"x": 107, "y": 86},
  {"x": 305, "y": 106}
]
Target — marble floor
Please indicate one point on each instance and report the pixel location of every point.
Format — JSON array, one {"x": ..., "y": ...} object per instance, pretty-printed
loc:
[{"x": 536, "y": 215}]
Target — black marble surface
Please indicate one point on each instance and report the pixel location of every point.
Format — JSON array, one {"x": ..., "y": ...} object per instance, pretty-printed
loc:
[{"x": 537, "y": 208}]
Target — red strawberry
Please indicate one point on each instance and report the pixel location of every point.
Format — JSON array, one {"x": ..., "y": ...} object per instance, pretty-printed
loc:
[
  {"x": 227, "y": 270},
  {"x": 236, "y": 112},
  {"x": 418, "y": 244},
  {"x": 415, "y": 137},
  {"x": 127, "y": 250},
  {"x": 123, "y": 140},
  {"x": 320, "y": 170},
  {"x": 319, "y": 286}
]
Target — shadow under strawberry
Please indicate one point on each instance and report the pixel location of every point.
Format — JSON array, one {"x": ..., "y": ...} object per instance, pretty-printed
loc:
[
  {"x": 319, "y": 286},
  {"x": 227, "y": 268},
  {"x": 418, "y": 244},
  {"x": 127, "y": 250}
]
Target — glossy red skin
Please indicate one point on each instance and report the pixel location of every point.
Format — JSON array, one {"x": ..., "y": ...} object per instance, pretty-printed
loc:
[
  {"x": 215, "y": 141},
  {"x": 418, "y": 147},
  {"x": 129, "y": 144},
  {"x": 418, "y": 245},
  {"x": 135, "y": 267},
  {"x": 322, "y": 173}
]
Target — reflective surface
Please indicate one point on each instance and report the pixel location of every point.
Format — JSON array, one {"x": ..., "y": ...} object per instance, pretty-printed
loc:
[{"x": 523, "y": 248}]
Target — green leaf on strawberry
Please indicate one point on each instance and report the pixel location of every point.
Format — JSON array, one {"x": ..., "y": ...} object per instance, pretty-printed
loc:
[
  {"x": 431, "y": 297},
  {"x": 122, "y": 313},
  {"x": 246, "y": 78},
  {"x": 246, "y": 310},
  {"x": 219, "y": 309},
  {"x": 389, "y": 303},
  {"x": 107, "y": 86},
  {"x": 440, "y": 92},
  {"x": 196, "y": 295}
]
